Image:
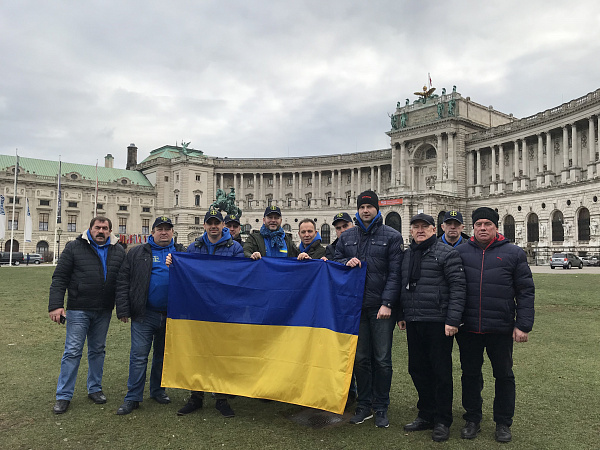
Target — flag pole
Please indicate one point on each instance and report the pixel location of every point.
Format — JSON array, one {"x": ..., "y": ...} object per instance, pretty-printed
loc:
[
  {"x": 57, "y": 211},
  {"x": 96, "y": 197},
  {"x": 12, "y": 225}
]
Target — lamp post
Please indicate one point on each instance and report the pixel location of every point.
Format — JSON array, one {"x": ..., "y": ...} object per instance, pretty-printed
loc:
[{"x": 58, "y": 233}]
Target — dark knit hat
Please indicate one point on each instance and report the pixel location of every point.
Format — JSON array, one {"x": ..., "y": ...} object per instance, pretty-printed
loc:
[
  {"x": 369, "y": 198},
  {"x": 485, "y": 213}
]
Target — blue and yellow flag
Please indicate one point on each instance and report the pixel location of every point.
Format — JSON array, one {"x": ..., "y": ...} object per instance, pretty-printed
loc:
[{"x": 276, "y": 328}]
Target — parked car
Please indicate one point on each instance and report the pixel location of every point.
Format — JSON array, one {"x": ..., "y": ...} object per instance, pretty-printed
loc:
[
  {"x": 590, "y": 261},
  {"x": 565, "y": 260},
  {"x": 34, "y": 258},
  {"x": 17, "y": 258}
]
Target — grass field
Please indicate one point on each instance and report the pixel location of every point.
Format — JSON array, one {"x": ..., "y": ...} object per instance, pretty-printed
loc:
[{"x": 557, "y": 372}]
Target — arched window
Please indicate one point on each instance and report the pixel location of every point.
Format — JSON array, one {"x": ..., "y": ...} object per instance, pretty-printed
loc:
[
  {"x": 509, "y": 228},
  {"x": 325, "y": 234},
  {"x": 15, "y": 242},
  {"x": 42, "y": 249},
  {"x": 533, "y": 228},
  {"x": 583, "y": 225},
  {"x": 246, "y": 228},
  {"x": 287, "y": 228},
  {"x": 394, "y": 220},
  {"x": 430, "y": 153},
  {"x": 558, "y": 232},
  {"x": 440, "y": 219}
]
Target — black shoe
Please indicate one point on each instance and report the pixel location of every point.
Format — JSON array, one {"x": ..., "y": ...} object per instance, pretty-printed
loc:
[
  {"x": 192, "y": 405},
  {"x": 440, "y": 432},
  {"x": 361, "y": 415},
  {"x": 127, "y": 407},
  {"x": 418, "y": 425},
  {"x": 98, "y": 397},
  {"x": 470, "y": 430},
  {"x": 61, "y": 406},
  {"x": 503, "y": 433},
  {"x": 381, "y": 419},
  {"x": 223, "y": 407},
  {"x": 162, "y": 398}
]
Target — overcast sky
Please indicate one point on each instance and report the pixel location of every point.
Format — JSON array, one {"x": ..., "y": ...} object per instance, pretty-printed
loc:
[{"x": 256, "y": 78}]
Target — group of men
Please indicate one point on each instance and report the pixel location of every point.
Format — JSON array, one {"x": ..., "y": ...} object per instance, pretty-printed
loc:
[{"x": 478, "y": 289}]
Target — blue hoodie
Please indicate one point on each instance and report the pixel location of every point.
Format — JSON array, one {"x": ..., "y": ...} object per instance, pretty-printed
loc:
[
  {"x": 158, "y": 291},
  {"x": 302, "y": 248},
  {"x": 362, "y": 225},
  {"x": 102, "y": 250},
  {"x": 210, "y": 247}
]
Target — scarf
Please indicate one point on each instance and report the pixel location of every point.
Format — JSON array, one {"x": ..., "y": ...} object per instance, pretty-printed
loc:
[
  {"x": 414, "y": 265},
  {"x": 362, "y": 225},
  {"x": 276, "y": 238}
]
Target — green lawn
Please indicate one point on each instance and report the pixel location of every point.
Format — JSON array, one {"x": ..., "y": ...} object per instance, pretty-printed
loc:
[{"x": 558, "y": 387}]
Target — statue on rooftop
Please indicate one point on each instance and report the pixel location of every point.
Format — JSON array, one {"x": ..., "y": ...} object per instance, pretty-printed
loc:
[
  {"x": 184, "y": 147},
  {"x": 427, "y": 93},
  {"x": 440, "y": 110},
  {"x": 394, "y": 121}
]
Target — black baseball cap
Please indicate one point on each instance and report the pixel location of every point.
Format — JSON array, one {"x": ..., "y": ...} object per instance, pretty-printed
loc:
[
  {"x": 160, "y": 220},
  {"x": 453, "y": 215},
  {"x": 232, "y": 218},
  {"x": 213, "y": 213},
  {"x": 272, "y": 210},
  {"x": 423, "y": 217},
  {"x": 341, "y": 216}
]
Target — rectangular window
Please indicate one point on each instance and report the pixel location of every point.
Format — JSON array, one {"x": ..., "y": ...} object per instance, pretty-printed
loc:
[
  {"x": 328, "y": 180},
  {"x": 167, "y": 179},
  {"x": 250, "y": 182},
  {"x": 145, "y": 226},
  {"x": 290, "y": 181},
  {"x": 196, "y": 220},
  {"x": 122, "y": 207},
  {"x": 44, "y": 221},
  {"x": 15, "y": 225},
  {"x": 44, "y": 202},
  {"x": 197, "y": 177},
  {"x": 15, "y": 199},
  {"x": 146, "y": 209},
  {"x": 177, "y": 177},
  {"x": 349, "y": 179},
  {"x": 72, "y": 223},
  {"x": 72, "y": 205},
  {"x": 309, "y": 182},
  {"x": 122, "y": 225},
  {"x": 100, "y": 206},
  {"x": 270, "y": 182}
]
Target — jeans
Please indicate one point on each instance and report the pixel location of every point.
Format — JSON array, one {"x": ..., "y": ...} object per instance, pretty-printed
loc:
[
  {"x": 82, "y": 324},
  {"x": 430, "y": 367},
  {"x": 499, "y": 348},
  {"x": 373, "y": 363},
  {"x": 144, "y": 331}
]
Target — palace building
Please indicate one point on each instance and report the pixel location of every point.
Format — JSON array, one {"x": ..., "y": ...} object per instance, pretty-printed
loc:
[{"x": 541, "y": 173}]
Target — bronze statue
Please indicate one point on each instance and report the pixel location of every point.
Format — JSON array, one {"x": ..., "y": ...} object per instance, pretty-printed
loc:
[
  {"x": 226, "y": 202},
  {"x": 425, "y": 94}
]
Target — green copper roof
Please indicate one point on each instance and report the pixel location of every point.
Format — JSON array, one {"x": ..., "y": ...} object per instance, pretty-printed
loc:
[
  {"x": 171, "y": 151},
  {"x": 50, "y": 168}
]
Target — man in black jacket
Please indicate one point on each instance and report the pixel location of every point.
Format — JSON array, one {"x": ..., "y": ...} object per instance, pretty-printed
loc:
[
  {"x": 87, "y": 268},
  {"x": 453, "y": 227},
  {"x": 341, "y": 222},
  {"x": 142, "y": 295},
  {"x": 232, "y": 222},
  {"x": 499, "y": 310},
  {"x": 310, "y": 240},
  {"x": 271, "y": 240},
  {"x": 432, "y": 303},
  {"x": 381, "y": 247}
]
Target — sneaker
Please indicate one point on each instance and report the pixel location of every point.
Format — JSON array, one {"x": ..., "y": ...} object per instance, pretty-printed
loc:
[
  {"x": 503, "y": 433},
  {"x": 360, "y": 415},
  {"x": 440, "y": 432},
  {"x": 192, "y": 405},
  {"x": 97, "y": 397},
  {"x": 470, "y": 430},
  {"x": 381, "y": 420},
  {"x": 418, "y": 424},
  {"x": 61, "y": 406},
  {"x": 223, "y": 407},
  {"x": 127, "y": 407}
]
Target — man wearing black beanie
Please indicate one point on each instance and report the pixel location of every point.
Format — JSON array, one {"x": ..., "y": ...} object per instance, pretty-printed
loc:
[{"x": 499, "y": 310}]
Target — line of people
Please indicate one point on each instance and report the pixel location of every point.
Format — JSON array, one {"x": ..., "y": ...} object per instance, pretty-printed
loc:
[{"x": 478, "y": 289}]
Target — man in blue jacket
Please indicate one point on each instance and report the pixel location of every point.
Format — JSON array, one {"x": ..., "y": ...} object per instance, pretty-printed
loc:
[
  {"x": 498, "y": 311},
  {"x": 142, "y": 295},
  {"x": 380, "y": 246}
]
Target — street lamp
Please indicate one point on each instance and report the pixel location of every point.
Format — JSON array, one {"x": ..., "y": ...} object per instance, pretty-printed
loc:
[{"x": 58, "y": 233}]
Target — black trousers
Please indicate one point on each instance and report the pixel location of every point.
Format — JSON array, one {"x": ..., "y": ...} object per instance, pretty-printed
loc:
[
  {"x": 499, "y": 348},
  {"x": 430, "y": 366}
]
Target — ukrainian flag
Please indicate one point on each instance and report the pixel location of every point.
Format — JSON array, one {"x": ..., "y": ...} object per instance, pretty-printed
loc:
[{"x": 276, "y": 328}]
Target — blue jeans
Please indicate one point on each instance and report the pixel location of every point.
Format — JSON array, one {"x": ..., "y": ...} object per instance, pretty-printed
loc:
[
  {"x": 82, "y": 324},
  {"x": 373, "y": 363},
  {"x": 144, "y": 331}
]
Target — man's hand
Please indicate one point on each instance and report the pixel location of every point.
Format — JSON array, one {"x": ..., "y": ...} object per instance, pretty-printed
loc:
[
  {"x": 303, "y": 255},
  {"x": 169, "y": 260},
  {"x": 353, "y": 263},
  {"x": 402, "y": 325},
  {"x": 255, "y": 256},
  {"x": 450, "y": 330},
  {"x": 124, "y": 319},
  {"x": 324, "y": 258},
  {"x": 384, "y": 312},
  {"x": 56, "y": 313},
  {"x": 520, "y": 336}
]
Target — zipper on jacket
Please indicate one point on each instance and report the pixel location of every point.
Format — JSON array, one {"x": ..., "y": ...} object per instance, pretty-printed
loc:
[{"x": 481, "y": 282}]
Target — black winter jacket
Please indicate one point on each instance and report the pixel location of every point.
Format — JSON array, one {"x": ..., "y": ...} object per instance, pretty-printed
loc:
[
  {"x": 381, "y": 248},
  {"x": 79, "y": 270},
  {"x": 316, "y": 250},
  {"x": 256, "y": 243},
  {"x": 500, "y": 289},
  {"x": 440, "y": 293},
  {"x": 134, "y": 281},
  {"x": 465, "y": 238},
  {"x": 330, "y": 250}
]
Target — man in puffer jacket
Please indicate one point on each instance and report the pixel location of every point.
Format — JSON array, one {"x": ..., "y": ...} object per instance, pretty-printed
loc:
[
  {"x": 380, "y": 247},
  {"x": 216, "y": 240},
  {"x": 432, "y": 302},
  {"x": 499, "y": 310}
]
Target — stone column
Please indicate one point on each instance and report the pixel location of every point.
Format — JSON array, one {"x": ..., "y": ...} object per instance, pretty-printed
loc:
[
  {"x": 591, "y": 142},
  {"x": 479, "y": 185},
  {"x": 451, "y": 156},
  {"x": 394, "y": 165},
  {"x": 352, "y": 187},
  {"x": 470, "y": 174},
  {"x": 549, "y": 153},
  {"x": 372, "y": 178},
  {"x": 525, "y": 158},
  {"x": 565, "y": 149},
  {"x": 493, "y": 183},
  {"x": 340, "y": 191},
  {"x": 540, "y": 160},
  {"x": 403, "y": 164},
  {"x": 294, "y": 191},
  {"x": 358, "y": 183},
  {"x": 412, "y": 177},
  {"x": 440, "y": 159},
  {"x": 255, "y": 191},
  {"x": 240, "y": 194},
  {"x": 501, "y": 168},
  {"x": 262, "y": 191},
  {"x": 221, "y": 181},
  {"x": 321, "y": 200},
  {"x": 516, "y": 166},
  {"x": 379, "y": 180}
]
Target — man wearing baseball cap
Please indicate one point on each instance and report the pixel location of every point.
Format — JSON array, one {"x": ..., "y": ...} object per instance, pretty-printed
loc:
[
  {"x": 142, "y": 295},
  {"x": 498, "y": 311},
  {"x": 380, "y": 246},
  {"x": 453, "y": 227},
  {"x": 232, "y": 222},
  {"x": 271, "y": 240},
  {"x": 341, "y": 222}
]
